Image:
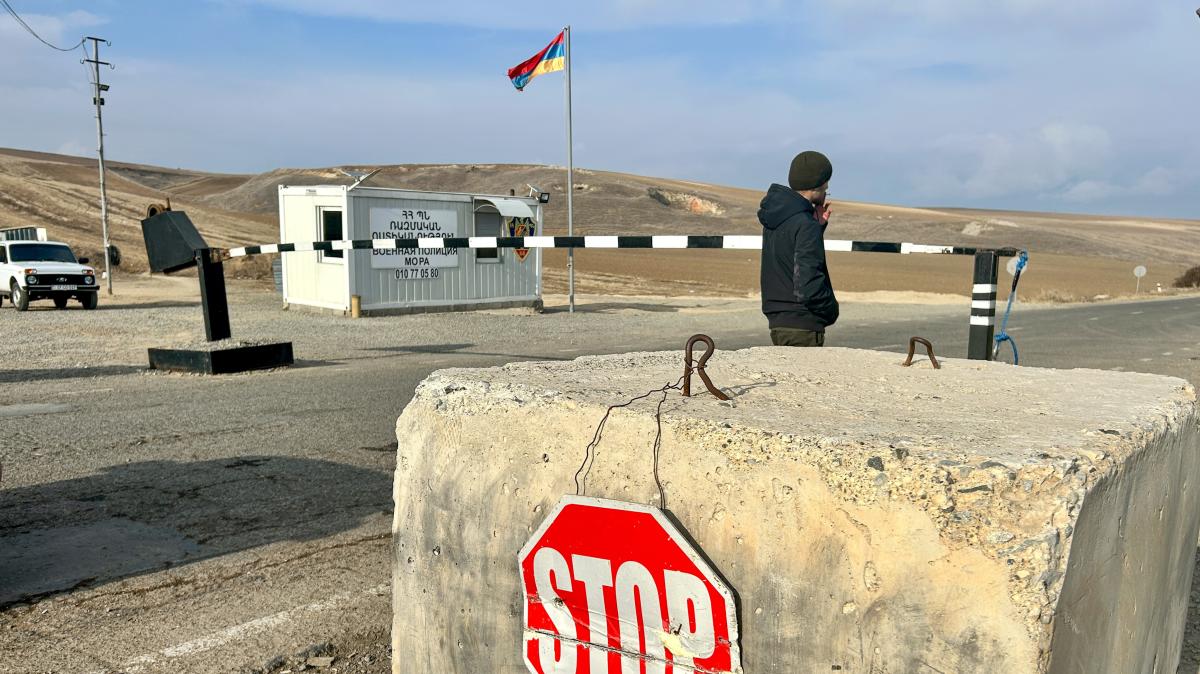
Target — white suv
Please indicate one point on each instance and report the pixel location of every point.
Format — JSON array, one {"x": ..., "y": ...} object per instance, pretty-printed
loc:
[{"x": 38, "y": 270}]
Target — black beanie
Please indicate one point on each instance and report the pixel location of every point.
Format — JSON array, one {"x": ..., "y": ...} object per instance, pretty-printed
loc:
[{"x": 809, "y": 171}]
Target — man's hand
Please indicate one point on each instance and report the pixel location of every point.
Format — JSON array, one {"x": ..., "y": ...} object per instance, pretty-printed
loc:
[{"x": 821, "y": 213}]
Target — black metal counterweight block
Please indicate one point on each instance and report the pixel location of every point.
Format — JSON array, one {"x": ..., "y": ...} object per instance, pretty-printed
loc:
[
  {"x": 171, "y": 241},
  {"x": 223, "y": 361}
]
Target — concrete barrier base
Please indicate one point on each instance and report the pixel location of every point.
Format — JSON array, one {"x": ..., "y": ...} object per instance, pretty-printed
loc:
[{"x": 871, "y": 518}]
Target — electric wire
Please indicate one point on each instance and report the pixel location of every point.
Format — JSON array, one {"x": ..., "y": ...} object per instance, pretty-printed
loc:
[
  {"x": 590, "y": 452},
  {"x": 32, "y": 32},
  {"x": 86, "y": 68}
]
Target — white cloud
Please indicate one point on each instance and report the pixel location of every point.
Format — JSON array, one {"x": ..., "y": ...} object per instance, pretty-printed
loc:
[
  {"x": 607, "y": 15},
  {"x": 978, "y": 166},
  {"x": 1073, "y": 149},
  {"x": 1157, "y": 182},
  {"x": 1087, "y": 191},
  {"x": 1081, "y": 17},
  {"x": 74, "y": 148},
  {"x": 62, "y": 31}
]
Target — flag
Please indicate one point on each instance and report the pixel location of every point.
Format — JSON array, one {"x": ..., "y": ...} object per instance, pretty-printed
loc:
[{"x": 547, "y": 60}]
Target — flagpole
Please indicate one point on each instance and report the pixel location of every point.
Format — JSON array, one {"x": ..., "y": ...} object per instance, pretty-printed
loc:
[{"x": 570, "y": 182}]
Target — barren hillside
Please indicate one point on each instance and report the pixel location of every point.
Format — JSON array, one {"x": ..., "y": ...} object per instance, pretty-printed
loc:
[{"x": 60, "y": 193}]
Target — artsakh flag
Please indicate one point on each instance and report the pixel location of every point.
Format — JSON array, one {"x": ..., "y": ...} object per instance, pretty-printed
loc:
[{"x": 547, "y": 60}]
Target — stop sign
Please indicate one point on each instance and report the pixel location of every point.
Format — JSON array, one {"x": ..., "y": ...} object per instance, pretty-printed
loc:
[{"x": 615, "y": 587}]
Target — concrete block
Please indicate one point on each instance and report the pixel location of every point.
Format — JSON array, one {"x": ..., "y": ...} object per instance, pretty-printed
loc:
[{"x": 871, "y": 518}]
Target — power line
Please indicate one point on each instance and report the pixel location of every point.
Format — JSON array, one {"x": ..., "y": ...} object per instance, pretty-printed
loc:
[
  {"x": 84, "y": 62},
  {"x": 32, "y": 31}
]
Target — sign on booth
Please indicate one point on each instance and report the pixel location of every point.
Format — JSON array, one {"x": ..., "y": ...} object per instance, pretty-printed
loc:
[
  {"x": 614, "y": 587},
  {"x": 413, "y": 223}
]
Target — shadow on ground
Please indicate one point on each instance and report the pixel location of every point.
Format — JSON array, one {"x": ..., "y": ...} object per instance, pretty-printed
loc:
[
  {"x": 103, "y": 306},
  {"x": 143, "y": 517},
  {"x": 649, "y": 305},
  {"x": 423, "y": 348},
  {"x": 739, "y": 390},
  {"x": 161, "y": 304},
  {"x": 451, "y": 349},
  {"x": 18, "y": 376}
]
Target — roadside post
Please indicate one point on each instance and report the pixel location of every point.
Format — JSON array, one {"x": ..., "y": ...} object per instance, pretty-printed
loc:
[
  {"x": 983, "y": 306},
  {"x": 212, "y": 294}
]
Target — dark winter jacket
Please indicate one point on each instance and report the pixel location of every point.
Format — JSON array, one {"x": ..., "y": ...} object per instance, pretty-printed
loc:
[{"x": 796, "y": 292}]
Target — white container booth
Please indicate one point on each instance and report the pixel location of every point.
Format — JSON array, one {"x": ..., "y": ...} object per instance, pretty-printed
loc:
[{"x": 407, "y": 281}]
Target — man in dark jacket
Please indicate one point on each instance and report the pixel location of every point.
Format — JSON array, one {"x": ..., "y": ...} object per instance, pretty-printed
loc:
[{"x": 797, "y": 297}]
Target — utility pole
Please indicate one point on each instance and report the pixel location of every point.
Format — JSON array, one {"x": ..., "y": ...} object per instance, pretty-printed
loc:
[{"x": 98, "y": 99}]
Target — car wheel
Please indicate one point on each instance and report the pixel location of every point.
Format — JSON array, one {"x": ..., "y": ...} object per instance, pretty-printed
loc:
[
  {"x": 20, "y": 298},
  {"x": 60, "y": 301},
  {"x": 89, "y": 300}
]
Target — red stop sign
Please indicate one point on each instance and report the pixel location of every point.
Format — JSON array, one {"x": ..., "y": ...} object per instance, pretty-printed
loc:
[{"x": 614, "y": 587}]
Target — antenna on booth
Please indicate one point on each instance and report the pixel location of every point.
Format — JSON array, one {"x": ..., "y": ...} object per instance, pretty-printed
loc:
[{"x": 358, "y": 176}]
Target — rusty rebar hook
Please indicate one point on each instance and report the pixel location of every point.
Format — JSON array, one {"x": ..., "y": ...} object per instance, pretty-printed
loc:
[
  {"x": 710, "y": 347},
  {"x": 912, "y": 347}
]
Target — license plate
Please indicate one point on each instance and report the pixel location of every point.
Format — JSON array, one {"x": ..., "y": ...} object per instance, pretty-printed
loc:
[{"x": 64, "y": 287}]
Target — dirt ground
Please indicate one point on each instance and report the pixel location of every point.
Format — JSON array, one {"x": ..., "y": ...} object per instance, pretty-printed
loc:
[
  {"x": 327, "y": 428},
  {"x": 1048, "y": 277}
]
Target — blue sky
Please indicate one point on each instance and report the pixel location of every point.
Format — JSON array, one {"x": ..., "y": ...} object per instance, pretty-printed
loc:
[{"x": 1064, "y": 105}]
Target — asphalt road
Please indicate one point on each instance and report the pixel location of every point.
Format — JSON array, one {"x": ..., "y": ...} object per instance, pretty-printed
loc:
[
  {"x": 1157, "y": 336},
  {"x": 168, "y": 523}
]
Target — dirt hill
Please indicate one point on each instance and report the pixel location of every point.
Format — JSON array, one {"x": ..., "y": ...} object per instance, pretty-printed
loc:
[{"x": 60, "y": 192}]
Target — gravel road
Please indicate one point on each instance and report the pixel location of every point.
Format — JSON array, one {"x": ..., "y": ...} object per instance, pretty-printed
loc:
[{"x": 154, "y": 522}]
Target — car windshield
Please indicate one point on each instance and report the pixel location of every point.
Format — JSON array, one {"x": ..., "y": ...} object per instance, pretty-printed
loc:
[{"x": 40, "y": 252}]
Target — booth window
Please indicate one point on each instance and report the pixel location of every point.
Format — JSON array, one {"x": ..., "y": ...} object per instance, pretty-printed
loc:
[
  {"x": 331, "y": 230},
  {"x": 487, "y": 223}
]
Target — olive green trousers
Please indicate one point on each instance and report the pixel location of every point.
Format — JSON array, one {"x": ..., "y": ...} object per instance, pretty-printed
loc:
[{"x": 796, "y": 337}]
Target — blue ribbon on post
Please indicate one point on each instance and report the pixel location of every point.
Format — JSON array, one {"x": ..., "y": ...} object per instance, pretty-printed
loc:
[{"x": 1003, "y": 336}]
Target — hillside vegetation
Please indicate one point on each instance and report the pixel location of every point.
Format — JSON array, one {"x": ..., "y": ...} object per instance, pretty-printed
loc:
[{"x": 60, "y": 193}]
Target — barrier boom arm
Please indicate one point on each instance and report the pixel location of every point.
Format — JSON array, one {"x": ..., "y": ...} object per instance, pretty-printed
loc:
[
  {"x": 983, "y": 289},
  {"x": 733, "y": 242}
]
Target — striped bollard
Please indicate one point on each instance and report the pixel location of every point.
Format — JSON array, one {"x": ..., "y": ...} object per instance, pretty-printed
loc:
[{"x": 983, "y": 306}]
